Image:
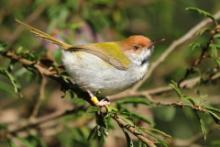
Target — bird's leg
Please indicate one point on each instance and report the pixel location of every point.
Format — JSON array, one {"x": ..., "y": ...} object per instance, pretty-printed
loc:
[
  {"x": 104, "y": 102},
  {"x": 96, "y": 102}
]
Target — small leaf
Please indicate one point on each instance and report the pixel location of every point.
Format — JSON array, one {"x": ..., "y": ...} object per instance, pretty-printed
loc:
[
  {"x": 2, "y": 46},
  {"x": 212, "y": 109},
  {"x": 141, "y": 144},
  {"x": 217, "y": 36},
  {"x": 13, "y": 81},
  {"x": 5, "y": 88},
  {"x": 156, "y": 131},
  {"x": 202, "y": 123},
  {"x": 11, "y": 143},
  {"x": 218, "y": 62},
  {"x": 215, "y": 116},
  {"x": 129, "y": 140},
  {"x": 202, "y": 12},
  {"x": 214, "y": 51},
  {"x": 92, "y": 109},
  {"x": 133, "y": 116},
  {"x": 203, "y": 128},
  {"x": 134, "y": 100},
  {"x": 195, "y": 46},
  {"x": 3, "y": 126},
  {"x": 93, "y": 133},
  {"x": 57, "y": 55},
  {"x": 162, "y": 143},
  {"x": 25, "y": 142},
  {"x": 178, "y": 91}
]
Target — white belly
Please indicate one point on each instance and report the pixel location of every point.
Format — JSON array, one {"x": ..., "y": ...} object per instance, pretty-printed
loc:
[{"x": 92, "y": 73}]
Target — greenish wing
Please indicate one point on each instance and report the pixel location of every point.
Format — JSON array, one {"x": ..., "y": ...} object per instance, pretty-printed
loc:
[{"x": 109, "y": 52}]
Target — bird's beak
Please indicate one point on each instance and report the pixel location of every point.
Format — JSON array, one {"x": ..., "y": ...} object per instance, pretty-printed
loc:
[
  {"x": 156, "y": 42},
  {"x": 151, "y": 46}
]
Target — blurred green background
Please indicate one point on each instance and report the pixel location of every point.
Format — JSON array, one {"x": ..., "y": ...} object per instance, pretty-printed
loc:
[{"x": 83, "y": 21}]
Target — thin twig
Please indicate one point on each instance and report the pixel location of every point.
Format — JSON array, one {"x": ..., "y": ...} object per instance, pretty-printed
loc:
[
  {"x": 190, "y": 141},
  {"x": 53, "y": 73},
  {"x": 192, "y": 33},
  {"x": 203, "y": 55},
  {"x": 25, "y": 62},
  {"x": 190, "y": 83},
  {"x": 36, "y": 122},
  {"x": 40, "y": 98},
  {"x": 134, "y": 131}
]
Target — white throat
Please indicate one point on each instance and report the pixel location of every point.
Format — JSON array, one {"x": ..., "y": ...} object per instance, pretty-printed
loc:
[{"x": 142, "y": 58}]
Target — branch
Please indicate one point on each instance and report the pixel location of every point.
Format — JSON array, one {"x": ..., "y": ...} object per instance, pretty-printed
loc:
[
  {"x": 50, "y": 72},
  {"x": 37, "y": 122},
  {"x": 192, "y": 33},
  {"x": 55, "y": 74},
  {"x": 185, "y": 84},
  {"x": 39, "y": 99},
  {"x": 134, "y": 131},
  {"x": 27, "y": 63}
]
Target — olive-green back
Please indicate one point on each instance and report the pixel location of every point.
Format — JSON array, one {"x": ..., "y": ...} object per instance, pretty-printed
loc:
[{"x": 108, "y": 51}]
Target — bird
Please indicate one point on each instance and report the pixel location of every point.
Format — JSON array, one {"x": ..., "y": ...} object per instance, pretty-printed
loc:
[{"x": 104, "y": 67}]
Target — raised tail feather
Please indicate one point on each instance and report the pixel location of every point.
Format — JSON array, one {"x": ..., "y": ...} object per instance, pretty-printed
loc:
[{"x": 45, "y": 36}]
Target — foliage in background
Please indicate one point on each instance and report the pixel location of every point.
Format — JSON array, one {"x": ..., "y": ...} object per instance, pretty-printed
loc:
[{"x": 79, "y": 21}]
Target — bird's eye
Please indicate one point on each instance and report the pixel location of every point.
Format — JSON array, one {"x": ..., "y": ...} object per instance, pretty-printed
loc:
[{"x": 136, "y": 47}]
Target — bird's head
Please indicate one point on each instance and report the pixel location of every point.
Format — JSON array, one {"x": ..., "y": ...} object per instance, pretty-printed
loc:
[{"x": 138, "y": 48}]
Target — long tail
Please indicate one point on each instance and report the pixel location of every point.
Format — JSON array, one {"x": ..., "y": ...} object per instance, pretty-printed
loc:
[{"x": 45, "y": 36}]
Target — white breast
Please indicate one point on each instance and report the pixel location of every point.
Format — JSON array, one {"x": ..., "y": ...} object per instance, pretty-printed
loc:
[{"x": 92, "y": 73}]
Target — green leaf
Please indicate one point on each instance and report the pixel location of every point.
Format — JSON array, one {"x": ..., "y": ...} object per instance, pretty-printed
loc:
[
  {"x": 25, "y": 142},
  {"x": 13, "y": 81},
  {"x": 203, "y": 127},
  {"x": 57, "y": 55},
  {"x": 141, "y": 144},
  {"x": 134, "y": 100},
  {"x": 162, "y": 143},
  {"x": 159, "y": 132},
  {"x": 214, "y": 116},
  {"x": 92, "y": 109},
  {"x": 212, "y": 109},
  {"x": 217, "y": 62},
  {"x": 178, "y": 91},
  {"x": 26, "y": 53},
  {"x": 214, "y": 50},
  {"x": 3, "y": 127},
  {"x": 99, "y": 133},
  {"x": 132, "y": 115},
  {"x": 5, "y": 88},
  {"x": 2, "y": 46},
  {"x": 129, "y": 140},
  {"x": 202, "y": 119},
  {"x": 74, "y": 26},
  {"x": 217, "y": 36},
  {"x": 93, "y": 133},
  {"x": 202, "y": 12},
  {"x": 195, "y": 46}
]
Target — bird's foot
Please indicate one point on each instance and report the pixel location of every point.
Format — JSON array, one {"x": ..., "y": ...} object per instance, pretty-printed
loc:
[
  {"x": 103, "y": 102},
  {"x": 96, "y": 102}
]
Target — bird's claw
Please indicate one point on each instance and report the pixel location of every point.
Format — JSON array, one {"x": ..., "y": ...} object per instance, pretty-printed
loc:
[{"x": 103, "y": 102}]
